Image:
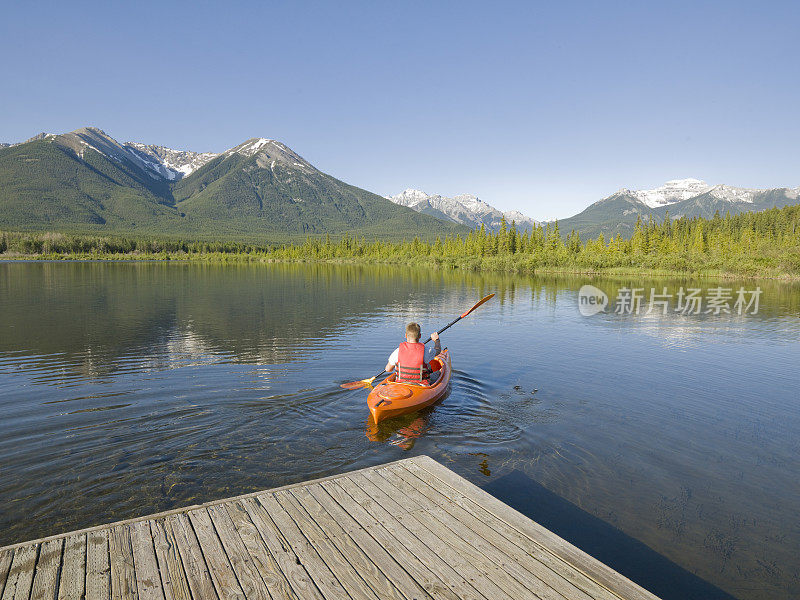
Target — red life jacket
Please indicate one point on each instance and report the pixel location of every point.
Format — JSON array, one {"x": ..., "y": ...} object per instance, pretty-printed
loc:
[{"x": 411, "y": 365}]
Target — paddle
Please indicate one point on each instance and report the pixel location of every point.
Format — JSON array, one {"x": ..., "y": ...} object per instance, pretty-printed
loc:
[{"x": 354, "y": 385}]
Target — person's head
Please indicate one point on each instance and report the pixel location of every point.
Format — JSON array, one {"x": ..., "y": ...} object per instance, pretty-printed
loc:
[{"x": 413, "y": 332}]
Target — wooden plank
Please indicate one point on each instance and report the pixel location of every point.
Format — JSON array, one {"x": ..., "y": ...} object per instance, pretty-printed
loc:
[
  {"x": 247, "y": 574},
  {"x": 431, "y": 571},
  {"x": 191, "y": 555},
  {"x": 492, "y": 583},
  {"x": 265, "y": 563},
  {"x": 324, "y": 546},
  {"x": 72, "y": 583},
  {"x": 383, "y": 573},
  {"x": 510, "y": 540},
  {"x": 322, "y": 576},
  {"x": 6, "y": 556},
  {"x": 98, "y": 568},
  {"x": 123, "y": 570},
  {"x": 20, "y": 574},
  {"x": 590, "y": 566},
  {"x": 519, "y": 570},
  {"x": 380, "y": 496},
  {"x": 521, "y": 565},
  {"x": 219, "y": 567},
  {"x": 45, "y": 581},
  {"x": 173, "y": 577},
  {"x": 504, "y": 573},
  {"x": 148, "y": 579},
  {"x": 295, "y": 571},
  {"x": 394, "y": 542}
]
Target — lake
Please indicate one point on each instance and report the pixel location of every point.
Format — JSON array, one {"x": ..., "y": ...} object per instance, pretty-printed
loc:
[{"x": 667, "y": 445}]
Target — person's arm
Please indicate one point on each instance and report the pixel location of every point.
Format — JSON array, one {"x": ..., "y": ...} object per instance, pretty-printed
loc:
[
  {"x": 437, "y": 344},
  {"x": 392, "y": 361}
]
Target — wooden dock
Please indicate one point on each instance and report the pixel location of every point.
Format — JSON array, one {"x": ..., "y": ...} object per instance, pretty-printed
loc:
[{"x": 411, "y": 529}]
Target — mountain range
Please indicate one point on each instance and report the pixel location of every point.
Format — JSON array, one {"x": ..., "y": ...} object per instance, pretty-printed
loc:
[
  {"x": 617, "y": 213},
  {"x": 614, "y": 214},
  {"x": 465, "y": 209},
  {"x": 86, "y": 181}
]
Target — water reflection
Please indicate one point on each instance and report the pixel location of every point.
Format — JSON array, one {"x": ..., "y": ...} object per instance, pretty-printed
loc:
[
  {"x": 401, "y": 431},
  {"x": 150, "y": 386},
  {"x": 404, "y": 430}
]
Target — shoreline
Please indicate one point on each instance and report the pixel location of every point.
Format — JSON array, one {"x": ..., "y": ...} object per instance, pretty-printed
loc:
[{"x": 225, "y": 258}]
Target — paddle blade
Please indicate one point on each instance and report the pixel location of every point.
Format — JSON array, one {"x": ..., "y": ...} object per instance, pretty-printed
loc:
[
  {"x": 354, "y": 385},
  {"x": 483, "y": 300}
]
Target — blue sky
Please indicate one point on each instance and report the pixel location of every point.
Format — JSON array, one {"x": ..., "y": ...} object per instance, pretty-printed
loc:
[{"x": 543, "y": 108}]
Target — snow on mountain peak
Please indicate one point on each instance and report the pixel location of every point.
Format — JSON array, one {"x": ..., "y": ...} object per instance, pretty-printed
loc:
[
  {"x": 733, "y": 194},
  {"x": 39, "y": 136},
  {"x": 413, "y": 192},
  {"x": 465, "y": 209},
  {"x": 474, "y": 204},
  {"x": 251, "y": 146},
  {"x": 158, "y": 162},
  {"x": 269, "y": 152},
  {"x": 98, "y": 140},
  {"x": 672, "y": 191},
  {"x": 677, "y": 190},
  {"x": 517, "y": 217},
  {"x": 409, "y": 197},
  {"x": 170, "y": 164}
]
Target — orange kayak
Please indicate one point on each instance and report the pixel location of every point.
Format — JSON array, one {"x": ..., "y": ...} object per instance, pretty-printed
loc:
[{"x": 390, "y": 399}]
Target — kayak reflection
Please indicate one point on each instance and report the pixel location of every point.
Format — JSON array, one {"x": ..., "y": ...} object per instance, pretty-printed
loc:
[
  {"x": 405, "y": 430},
  {"x": 401, "y": 431}
]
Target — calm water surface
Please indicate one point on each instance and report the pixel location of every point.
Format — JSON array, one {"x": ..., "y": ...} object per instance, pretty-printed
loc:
[{"x": 666, "y": 445}]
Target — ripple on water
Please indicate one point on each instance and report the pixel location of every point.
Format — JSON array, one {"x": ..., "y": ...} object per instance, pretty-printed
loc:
[{"x": 188, "y": 384}]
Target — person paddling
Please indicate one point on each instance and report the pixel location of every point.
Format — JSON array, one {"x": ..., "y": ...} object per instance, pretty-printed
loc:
[
  {"x": 411, "y": 358},
  {"x": 414, "y": 341}
]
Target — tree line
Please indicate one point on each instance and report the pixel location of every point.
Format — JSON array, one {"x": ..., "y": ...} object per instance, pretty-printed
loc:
[{"x": 762, "y": 243}]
